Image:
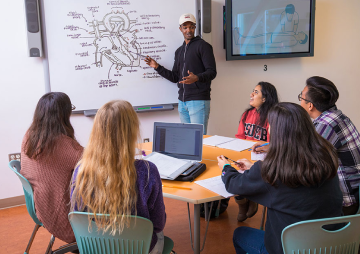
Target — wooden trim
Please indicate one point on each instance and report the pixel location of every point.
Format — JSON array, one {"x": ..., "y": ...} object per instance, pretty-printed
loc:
[{"x": 14, "y": 201}]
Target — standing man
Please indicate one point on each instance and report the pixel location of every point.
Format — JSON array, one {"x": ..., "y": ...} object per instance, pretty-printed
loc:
[
  {"x": 318, "y": 98},
  {"x": 194, "y": 68}
]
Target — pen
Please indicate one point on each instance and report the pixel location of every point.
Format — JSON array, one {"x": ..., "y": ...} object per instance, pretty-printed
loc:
[
  {"x": 237, "y": 163},
  {"x": 177, "y": 187},
  {"x": 265, "y": 144}
]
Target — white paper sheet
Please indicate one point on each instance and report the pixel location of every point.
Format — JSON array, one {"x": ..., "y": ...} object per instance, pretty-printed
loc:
[
  {"x": 216, "y": 185},
  {"x": 237, "y": 145},
  {"x": 216, "y": 140},
  {"x": 257, "y": 156},
  {"x": 169, "y": 167}
]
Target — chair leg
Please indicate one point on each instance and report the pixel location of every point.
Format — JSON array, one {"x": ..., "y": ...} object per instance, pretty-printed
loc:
[
  {"x": 66, "y": 248},
  {"x": 263, "y": 219},
  {"x": 51, "y": 243},
  {"x": 36, "y": 228}
]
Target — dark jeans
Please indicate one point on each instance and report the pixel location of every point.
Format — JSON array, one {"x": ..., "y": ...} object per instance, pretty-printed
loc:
[
  {"x": 350, "y": 210},
  {"x": 249, "y": 240}
]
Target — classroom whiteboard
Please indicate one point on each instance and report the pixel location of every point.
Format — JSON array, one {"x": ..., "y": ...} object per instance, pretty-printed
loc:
[{"x": 95, "y": 49}]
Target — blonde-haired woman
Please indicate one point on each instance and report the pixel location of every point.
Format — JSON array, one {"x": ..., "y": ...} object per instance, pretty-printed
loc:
[{"x": 108, "y": 179}]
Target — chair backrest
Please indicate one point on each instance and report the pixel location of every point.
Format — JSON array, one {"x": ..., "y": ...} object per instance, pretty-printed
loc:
[
  {"x": 358, "y": 212},
  {"x": 28, "y": 191},
  {"x": 310, "y": 236},
  {"x": 135, "y": 239}
]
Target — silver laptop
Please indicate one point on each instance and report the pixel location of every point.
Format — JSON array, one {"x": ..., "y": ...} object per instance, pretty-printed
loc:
[{"x": 181, "y": 141}]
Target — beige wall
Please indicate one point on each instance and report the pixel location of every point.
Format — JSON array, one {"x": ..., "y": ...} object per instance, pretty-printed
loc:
[{"x": 337, "y": 52}]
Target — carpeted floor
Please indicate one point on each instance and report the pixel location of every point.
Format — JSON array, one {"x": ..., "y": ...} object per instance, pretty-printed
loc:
[{"x": 16, "y": 227}]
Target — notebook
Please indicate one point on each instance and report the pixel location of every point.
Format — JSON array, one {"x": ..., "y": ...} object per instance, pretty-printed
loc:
[
  {"x": 228, "y": 143},
  {"x": 176, "y": 148}
]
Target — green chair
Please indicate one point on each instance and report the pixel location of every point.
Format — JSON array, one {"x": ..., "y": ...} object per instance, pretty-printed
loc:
[
  {"x": 29, "y": 199},
  {"x": 134, "y": 239},
  {"x": 310, "y": 237}
]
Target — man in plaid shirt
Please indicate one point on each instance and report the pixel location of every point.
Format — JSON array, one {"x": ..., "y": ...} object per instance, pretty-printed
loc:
[{"x": 318, "y": 98}]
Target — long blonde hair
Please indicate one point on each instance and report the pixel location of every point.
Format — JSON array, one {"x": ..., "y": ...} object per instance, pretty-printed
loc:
[{"x": 106, "y": 180}]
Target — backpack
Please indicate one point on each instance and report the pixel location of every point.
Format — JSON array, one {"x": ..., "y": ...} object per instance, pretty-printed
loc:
[{"x": 217, "y": 208}]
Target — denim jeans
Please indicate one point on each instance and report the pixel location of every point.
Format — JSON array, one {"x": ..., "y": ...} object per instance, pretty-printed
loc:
[
  {"x": 249, "y": 240},
  {"x": 195, "y": 112}
]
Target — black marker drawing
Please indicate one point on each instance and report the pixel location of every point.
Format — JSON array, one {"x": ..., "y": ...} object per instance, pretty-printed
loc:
[{"x": 115, "y": 39}]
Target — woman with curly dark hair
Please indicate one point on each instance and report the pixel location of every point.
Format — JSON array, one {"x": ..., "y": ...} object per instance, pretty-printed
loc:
[{"x": 254, "y": 126}]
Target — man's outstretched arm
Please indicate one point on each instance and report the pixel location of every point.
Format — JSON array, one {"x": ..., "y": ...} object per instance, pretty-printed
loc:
[{"x": 172, "y": 76}]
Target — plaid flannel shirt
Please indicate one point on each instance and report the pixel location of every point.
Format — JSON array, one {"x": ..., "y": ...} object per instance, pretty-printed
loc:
[{"x": 338, "y": 129}]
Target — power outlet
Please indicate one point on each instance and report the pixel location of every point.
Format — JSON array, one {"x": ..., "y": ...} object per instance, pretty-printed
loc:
[
  {"x": 146, "y": 140},
  {"x": 14, "y": 156}
]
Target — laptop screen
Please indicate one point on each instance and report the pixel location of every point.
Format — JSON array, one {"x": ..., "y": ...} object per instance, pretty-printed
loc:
[{"x": 179, "y": 140}]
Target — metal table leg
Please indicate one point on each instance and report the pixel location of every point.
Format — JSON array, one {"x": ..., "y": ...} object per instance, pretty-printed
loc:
[
  {"x": 195, "y": 245},
  {"x": 196, "y": 229},
  {"x": 207, "y": 212}
]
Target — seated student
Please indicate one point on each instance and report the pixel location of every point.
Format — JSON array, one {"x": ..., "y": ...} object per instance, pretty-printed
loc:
[
  {"x": 253, "y": 123},
  {"x": 109, "y": 180},
  {"x": 254, "y": 126},
  {"x": 318, "y": 98},
  {"x": 49, "y": 154},
  {"x": 296, "y": 181}
]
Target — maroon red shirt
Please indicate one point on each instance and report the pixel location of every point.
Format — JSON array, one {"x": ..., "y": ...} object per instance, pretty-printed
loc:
[{"x": 250, "y": 130}]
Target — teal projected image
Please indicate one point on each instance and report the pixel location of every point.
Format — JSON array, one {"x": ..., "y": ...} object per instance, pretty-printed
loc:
[{"x": 264, "y": 27}]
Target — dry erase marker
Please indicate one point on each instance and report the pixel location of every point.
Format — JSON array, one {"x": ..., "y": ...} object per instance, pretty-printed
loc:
[
  {"x": 177, "y": 187},
  {"x": 260, "y": 146}
]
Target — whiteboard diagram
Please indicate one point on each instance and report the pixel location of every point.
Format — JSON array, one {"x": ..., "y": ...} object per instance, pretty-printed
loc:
[
  {"x": 115, "y": 38},
  {"x": 115, "y": 41},
  {"x": 96, "y": 49}
]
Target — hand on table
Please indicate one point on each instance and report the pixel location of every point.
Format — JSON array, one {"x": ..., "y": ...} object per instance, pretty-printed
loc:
[
  {"x": 151, "y": 62},
  {"x": 257, "y": 149},
  {"x": 192, "y": 78}
]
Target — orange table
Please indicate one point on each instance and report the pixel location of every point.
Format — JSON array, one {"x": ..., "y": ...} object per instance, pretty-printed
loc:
[{"x": 199, "y": 195}]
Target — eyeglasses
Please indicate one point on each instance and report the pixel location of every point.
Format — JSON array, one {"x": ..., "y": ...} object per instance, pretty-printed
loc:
[
  {"x": 301, "y": 98},
  {"x": 73, "y": 107}
]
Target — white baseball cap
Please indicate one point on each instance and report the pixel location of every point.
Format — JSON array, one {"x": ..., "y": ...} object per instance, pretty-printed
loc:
[{"x": 187, "y": 17}]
